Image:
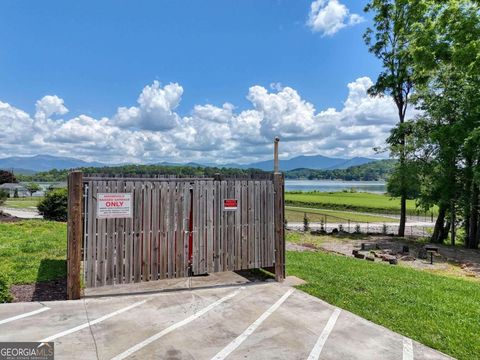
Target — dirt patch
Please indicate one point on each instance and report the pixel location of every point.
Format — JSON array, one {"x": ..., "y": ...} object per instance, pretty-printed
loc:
[
  {"x": 41, "y": 291},
  {"x": 303, "y": 247},
  {"x": 449, "y": 260},
  {"x": 4, "y": 217}
]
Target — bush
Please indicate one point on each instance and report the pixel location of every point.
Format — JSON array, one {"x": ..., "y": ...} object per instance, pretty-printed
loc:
[
  {"x": 54, "y": 205},
  {"x": 3, "y": 196},
  {"x": 5, "y": 296}
]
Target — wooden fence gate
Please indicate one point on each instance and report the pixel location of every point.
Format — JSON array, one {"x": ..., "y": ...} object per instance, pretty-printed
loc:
[{"x": 142, "y": 229}]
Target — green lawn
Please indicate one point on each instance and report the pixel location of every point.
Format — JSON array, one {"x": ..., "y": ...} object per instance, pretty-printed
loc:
[
  {"x": 33, "y": 250},
  {"x": 22, "y": 203},
  {"x": 439, "y": 311},
  {"x": 363, "y": 202},
  {"x": 295, "y": 214}
]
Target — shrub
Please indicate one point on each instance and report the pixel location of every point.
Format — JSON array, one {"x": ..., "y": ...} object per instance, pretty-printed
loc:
[
  {"x": 5, "y": 296},
  {"x": 54, "y": 205},
  {"x": 3, "y": 196}
]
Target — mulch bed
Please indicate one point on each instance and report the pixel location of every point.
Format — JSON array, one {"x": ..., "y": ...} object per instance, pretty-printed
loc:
[{"x": 41, "y": 291}]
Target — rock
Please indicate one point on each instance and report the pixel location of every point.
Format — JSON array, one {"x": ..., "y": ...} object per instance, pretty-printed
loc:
[
  {"x": 359, "y": 256},
  {"x": 408, "y": 258},
  {"x": 370, "y": 258},
  {"x": 422, "y": 254},
  {"x": 393, "y": 261}
]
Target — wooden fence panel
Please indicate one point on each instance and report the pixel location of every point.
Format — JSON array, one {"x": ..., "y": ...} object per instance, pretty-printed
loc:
[{"x": 154, "y": 242}]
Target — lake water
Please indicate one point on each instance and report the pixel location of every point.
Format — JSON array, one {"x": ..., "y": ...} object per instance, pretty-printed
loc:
[{"x": 332, "y": 186}]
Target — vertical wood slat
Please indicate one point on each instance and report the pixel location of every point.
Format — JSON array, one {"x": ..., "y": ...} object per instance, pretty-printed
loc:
[
  {"x": 251, "y": 224},
  {"x": 110, "y": 240},
  {"x": 119, "y": 244},
  {"x": 244, "y": 224},
  {"x": 171, "y": 229},
  {"x": 238, "y": 226},
  {"x": 75, "y": 234},
  {"x": 146, "y": 225},
  {"x": 154, "y": 236},
  {"x": 101, "y": 242},
  {"x": 231, "y": 228},
  {"x": 217, "y": 226},
  {"x": 92, "y": 236},
  {"x": 179, "y": 230},
  {"x": 164, "y": 211},
  {"x": 209, "y": 227},
  {"x": 129, "y": 238},
  {"x": 137, "y": 228}
]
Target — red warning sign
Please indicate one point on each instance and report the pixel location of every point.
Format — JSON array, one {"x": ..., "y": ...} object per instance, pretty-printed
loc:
[{"x": 230, "y": 204}]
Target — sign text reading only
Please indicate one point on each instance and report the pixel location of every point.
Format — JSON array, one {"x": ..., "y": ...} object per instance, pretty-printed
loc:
[{"x": 112, "y": 206}]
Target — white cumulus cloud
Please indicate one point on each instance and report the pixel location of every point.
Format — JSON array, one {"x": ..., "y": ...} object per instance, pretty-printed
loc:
[
  {"x": 330, "y": 16},
  {"x": 50, "y": 105},
  {"x": 155, "y": 109},
  {"x": 154, "y": 131}
]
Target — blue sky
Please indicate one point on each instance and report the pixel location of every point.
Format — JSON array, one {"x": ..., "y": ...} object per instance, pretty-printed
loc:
[{"x": 94, "y": 58}]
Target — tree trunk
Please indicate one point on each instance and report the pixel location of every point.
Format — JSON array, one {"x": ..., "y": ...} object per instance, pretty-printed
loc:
[
  {"x": 473, "y": 221},
  {"x": 445, "y": 231},
  {"x": 439, "y": 225},
  {"x": 403, "y": 216}
]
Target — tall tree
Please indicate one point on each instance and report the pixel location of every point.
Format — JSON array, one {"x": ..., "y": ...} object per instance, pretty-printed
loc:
[
  {"x": 388, "y": 40},
  {"x": 446, "y": 54}
]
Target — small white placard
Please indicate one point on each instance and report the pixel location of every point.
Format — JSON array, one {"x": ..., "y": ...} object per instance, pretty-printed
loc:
[{"x": 112, "y": 206}]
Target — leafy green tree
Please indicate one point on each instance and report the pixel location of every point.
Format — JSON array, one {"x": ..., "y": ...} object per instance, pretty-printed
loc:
[
  {"x": 446, "y": 51},
  {"x": 7, "y": 177},
  {"x": 32, "y": 188},
  {"x": 389, "y": 40}
]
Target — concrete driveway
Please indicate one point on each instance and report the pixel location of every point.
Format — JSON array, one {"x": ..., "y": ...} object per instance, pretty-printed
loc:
[{"x": 216, "y": 317}]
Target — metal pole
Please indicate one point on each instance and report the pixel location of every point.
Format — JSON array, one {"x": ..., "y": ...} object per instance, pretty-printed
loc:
[{"x": 275, "y": 156}]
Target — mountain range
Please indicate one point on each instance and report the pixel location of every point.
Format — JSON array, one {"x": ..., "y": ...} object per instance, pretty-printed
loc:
[{"x": 38, "y": 163}]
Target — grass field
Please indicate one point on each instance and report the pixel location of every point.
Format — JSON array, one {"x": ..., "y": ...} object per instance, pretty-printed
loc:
[
  {"x": 294, "y": 214},
  {"x": 439, "y": 311},
  {"x": 362, "y": 202},
  {"x": 33, "y": 250},
  {"x": 22, "y": 203}
]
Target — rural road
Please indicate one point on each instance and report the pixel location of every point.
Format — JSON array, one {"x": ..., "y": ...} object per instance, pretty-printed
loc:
[
  {"x": 221, "y": 316},
  {"x": 21, "y": 213}
]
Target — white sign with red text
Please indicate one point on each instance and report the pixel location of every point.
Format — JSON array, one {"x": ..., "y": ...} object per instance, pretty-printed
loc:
[{"x": 112, "y": 206}]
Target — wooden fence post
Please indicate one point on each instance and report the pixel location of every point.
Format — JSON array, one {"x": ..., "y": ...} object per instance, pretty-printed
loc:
[
  {"x": 279, "y": 216},
  {"x": 74, "y": 234}
]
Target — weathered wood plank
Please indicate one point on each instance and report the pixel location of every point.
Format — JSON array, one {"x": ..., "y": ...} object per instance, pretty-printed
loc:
[
  {"x": 171, "y": 228},
  {"x": 251, "y": 224},
  {"x": 75, "y": 234},
  {"x": 110, "y": 239},
  {"x": 164, "y": 211},
  {"x": 154, "y": 249},
  {"x": 138, "y": 231},
  {"x": 179, "y": 230},
  {"x": 244, "y": 225},
  {"x": 146, "y": 225},
  {"x": 101, "y": 243},
  {"x": 129, "y": 238},
  {"x": 237, "y": 219},
  {"x": 90, "y": 216},
  {"x": 209, "y": 227}
]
